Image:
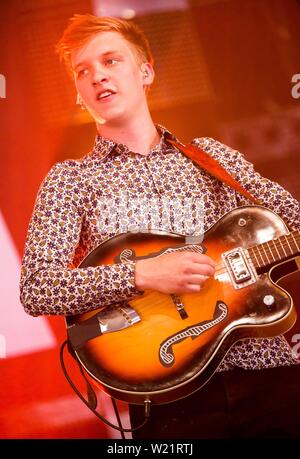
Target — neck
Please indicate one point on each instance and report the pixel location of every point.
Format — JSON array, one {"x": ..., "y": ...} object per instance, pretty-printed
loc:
[
  {"x": 279, "y": 249},
  {"x": 139, "y": 135}
]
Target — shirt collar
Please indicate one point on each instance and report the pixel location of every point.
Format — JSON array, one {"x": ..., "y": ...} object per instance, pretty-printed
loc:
[{"x": 103, "y": 146}]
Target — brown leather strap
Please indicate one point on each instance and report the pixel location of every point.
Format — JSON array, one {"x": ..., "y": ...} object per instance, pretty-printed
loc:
[{"x": 206, "y": 162}]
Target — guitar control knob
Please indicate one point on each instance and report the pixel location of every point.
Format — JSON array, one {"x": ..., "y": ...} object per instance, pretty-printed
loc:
[{"x": 269, "y": 300}]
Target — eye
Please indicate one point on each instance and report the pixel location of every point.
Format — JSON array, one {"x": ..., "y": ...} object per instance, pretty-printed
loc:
[
  {"x": 111, "y": 61},
  {"x": 82, "y": 72}
]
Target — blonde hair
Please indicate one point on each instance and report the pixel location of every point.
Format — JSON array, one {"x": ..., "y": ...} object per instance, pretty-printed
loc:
[{"x": 83, "y": 27}]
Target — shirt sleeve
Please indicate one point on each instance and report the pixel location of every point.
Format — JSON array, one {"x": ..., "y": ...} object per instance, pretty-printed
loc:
[
  {"x": 269, "y": 193},
  {"x": 48, "y": 284}
]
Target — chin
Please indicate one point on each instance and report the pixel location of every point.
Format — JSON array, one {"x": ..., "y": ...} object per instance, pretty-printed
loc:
[{"x": 108, "y": 118}]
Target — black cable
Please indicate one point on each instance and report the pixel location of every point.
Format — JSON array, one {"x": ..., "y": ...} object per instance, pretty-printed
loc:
[
  {"x": 118, "y": 417},
  {"x": 88, "y": 403}
]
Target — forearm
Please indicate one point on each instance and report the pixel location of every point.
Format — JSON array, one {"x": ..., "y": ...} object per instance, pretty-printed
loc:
[{"x": 56, "y": 291}]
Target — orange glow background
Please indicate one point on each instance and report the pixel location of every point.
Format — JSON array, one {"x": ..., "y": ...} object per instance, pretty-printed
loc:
[{"x": 224, "y": 70}]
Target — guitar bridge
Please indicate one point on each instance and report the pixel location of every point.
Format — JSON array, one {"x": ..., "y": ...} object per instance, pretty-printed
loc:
[{"x": 239, "y": 267}]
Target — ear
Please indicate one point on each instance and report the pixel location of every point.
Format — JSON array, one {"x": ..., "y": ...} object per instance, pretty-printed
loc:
[
  {"x": 80, "y": 102},
  {"x": 148, "y": 73}
]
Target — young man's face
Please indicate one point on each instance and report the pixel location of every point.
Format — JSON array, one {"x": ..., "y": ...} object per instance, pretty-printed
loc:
[{"x": 110, "y": 79}]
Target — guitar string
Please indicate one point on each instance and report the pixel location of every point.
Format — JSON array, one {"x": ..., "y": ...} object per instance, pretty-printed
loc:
[
  {"x": 283, "y": 244},
  {"x": 220, "y": 268},
  {"x": 284, "y": 247}
]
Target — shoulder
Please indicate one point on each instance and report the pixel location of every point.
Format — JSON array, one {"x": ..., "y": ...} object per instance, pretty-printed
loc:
[
  {"x": 227, "y": 156},
  {"x": 66, "y": 176},
  {"x": 214, "y": 147},
  {"x": 70, "y": 168}
]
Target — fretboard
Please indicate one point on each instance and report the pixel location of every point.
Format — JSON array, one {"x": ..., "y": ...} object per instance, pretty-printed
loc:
[{"x": 279, "y": 249}]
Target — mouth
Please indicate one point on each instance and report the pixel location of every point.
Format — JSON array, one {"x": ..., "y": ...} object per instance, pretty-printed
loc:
[{"x": 105, "y": 94}]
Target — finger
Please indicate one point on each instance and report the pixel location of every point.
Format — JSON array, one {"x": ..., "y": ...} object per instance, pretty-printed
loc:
[
  {"x": 197, "y": 279},
  {"x": 205, "y": 259},
  {"x": 192, "y": 288},
  {"x": 201, "y": 269}
]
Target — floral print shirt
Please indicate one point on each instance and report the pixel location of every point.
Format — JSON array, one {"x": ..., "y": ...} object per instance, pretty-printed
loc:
[{"x": 79, "y": 205}]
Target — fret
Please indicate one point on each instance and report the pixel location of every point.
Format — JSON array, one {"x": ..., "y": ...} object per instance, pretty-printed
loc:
[
  {"x": 258, "y": 253},
  {"x": 274, "y": 243},
  {"x": 271, "y": 252},
  {"x": 282, "y": 247},
  {"x": 287, "y": 240},
  {"x": 253, "y": 251},
  {"x": 263, "y": 261},
  {"x": 278, "y": 249},
  {"x": 263, "y": 246},
  {"x": 295, "y": 242}
]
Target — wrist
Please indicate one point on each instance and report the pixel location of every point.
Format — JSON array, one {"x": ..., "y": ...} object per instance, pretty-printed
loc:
[{"x": 140, "y": 278}]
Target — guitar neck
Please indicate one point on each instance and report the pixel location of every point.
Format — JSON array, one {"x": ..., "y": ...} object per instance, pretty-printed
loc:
[{"x": 279, "y": 249}]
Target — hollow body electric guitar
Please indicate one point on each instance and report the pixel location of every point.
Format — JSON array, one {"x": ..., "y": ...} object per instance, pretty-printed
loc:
[{"x": 158, "y": 347}]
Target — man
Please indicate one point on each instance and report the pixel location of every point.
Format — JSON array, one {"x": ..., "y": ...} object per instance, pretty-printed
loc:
[{"x": 132, "y": 160}]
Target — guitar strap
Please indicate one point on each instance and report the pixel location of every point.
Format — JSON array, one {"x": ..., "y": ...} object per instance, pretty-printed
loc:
[{"x": 209, "y": 164}]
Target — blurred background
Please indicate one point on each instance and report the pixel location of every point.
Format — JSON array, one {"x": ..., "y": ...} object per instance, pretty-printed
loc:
[{"x": 227, "y": 69}]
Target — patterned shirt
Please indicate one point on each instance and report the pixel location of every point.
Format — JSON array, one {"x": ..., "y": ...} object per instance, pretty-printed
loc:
[{"x": 81, "y": 204}]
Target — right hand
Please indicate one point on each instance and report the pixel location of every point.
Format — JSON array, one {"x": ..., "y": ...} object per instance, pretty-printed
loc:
[{"x": 177, "y": 272}]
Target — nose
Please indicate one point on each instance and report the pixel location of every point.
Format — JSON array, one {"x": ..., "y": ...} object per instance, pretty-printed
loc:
[{"x": 99, "y": 76}]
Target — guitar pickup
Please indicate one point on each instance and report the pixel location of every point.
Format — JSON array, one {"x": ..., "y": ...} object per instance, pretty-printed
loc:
[
  {"x": 108, "y": 320},
  {"x": 239, "y": 267}
]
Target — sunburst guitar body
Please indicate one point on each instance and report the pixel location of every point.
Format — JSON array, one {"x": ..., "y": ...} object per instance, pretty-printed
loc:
[{"x": 158, "y": 347}]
